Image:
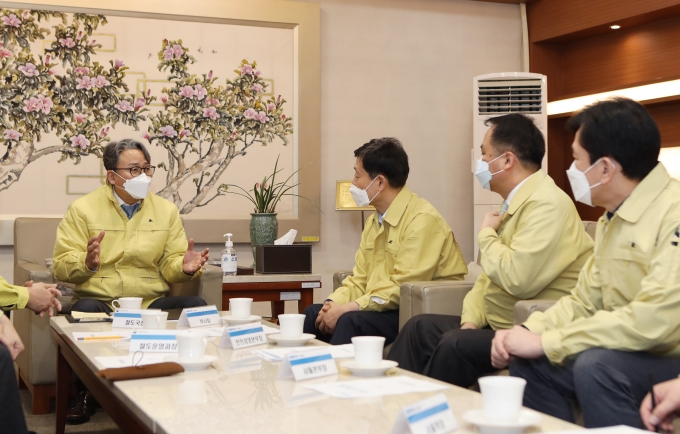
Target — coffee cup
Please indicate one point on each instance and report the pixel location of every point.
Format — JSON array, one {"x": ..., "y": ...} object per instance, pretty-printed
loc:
[
  {"x": 240, "y": 307},
  {"x": 128, "y": 303},
  {"x": 291, "y": 325},
  {"x": 502, "y": 397},
  {"x": 191, "y": 345},
  {"x": 154, "y": 319},
  {"x": 368, "y": 350}
]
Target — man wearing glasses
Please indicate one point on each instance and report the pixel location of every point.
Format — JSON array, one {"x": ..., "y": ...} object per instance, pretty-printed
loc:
[{"x": 123, "y": 241}]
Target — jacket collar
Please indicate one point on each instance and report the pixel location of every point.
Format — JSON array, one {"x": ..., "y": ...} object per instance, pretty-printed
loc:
[
  {"x": 531, "y": 184},
  {"x": 398, "y": 206},
  {"x": 644, "y": 194}
]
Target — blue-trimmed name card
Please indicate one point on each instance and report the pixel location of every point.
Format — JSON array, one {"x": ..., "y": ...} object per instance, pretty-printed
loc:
[
  {"x": 304, "y": 365},
  {"x": 241, "y": 336},
  {"x": 153, "y": 341},
  {"x": 428, "y": 416},
  {"x": 127, "y": 318},
  {"x": 199, "y": 317}
]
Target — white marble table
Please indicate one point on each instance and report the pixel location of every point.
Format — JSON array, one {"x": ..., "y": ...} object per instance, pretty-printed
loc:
[
  {"x": 239, "y": 394},
  {"x": 276, "y": 288}
]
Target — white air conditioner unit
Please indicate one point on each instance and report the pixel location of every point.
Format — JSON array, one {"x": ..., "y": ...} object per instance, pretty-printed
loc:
[{"x": 496, "y": 95}]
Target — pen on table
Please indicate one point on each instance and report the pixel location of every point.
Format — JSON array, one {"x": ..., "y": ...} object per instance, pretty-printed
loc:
[
  {"x": 99, "y": 338},
  {"x": 651, "y": 392}
]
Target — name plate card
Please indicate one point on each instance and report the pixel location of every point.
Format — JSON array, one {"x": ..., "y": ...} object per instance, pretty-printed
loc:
[
  {"x": 428, "y": 416},
  {"x": 305, "y": 365},
  {"x": 241, "y": 336},
  {"x": 153, "y": 341},
  {"x": 127, "y": 318},
  {"x": 199, "y": 317}
]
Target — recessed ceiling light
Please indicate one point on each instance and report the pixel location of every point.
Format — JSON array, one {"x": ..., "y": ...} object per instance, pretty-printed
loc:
[{"x": 615, "y": 27}]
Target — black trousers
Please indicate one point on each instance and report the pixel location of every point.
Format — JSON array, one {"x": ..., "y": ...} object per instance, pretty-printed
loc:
[
  {"x": 11, "y": 414},
  {"x": 609, "y": 385},
  {"x": 163, "y": 303},
  {"x": 434, "y": 345},
  {"x": 356, "y": 323}
]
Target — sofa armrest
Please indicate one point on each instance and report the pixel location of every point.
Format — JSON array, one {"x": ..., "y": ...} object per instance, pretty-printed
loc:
[
  {"x": 208, "y": 286},
  {"x": 338, "y": 277},
  {"x": 25, "y": 271},
  {"x": 443, "y": 297},
  {"x": 524, "y": 308}
]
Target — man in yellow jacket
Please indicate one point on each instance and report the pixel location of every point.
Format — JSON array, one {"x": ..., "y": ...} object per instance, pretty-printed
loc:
[
  {"x": 405, "y": 240},
  {"x": 123, "y": 241},
  {"x": 533, "y": 248},
  {"x": 41, "y": 299},
  {"x": 620, "y": 326}
]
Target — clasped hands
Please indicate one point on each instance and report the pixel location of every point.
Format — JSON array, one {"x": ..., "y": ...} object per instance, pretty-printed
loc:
[
  {"x": 329, "y": 314},
  {"x": 517, "y": 341},
  {"x": 193, "y": 261}
]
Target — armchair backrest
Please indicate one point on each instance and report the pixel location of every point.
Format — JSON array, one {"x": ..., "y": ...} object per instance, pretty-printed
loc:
[{"x": 34, "y": 239}]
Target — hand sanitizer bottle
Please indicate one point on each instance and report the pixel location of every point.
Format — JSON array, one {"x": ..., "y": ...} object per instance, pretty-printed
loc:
[{"x": 229, "y": 257}]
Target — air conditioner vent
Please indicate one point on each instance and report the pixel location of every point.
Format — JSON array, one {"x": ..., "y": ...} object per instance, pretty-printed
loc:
[{"x": 510, "y": 96}]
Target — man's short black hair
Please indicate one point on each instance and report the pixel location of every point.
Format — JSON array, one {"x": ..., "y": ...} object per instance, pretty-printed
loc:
[
  {"x": 518, "y": 133},
  {"x": 113, "y": 150},
  {"x": 622, "y": 129},
  {"x": 386, "y": 157}
]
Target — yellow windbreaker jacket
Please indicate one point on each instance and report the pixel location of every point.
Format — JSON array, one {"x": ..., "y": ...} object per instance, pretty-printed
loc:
[
  {"x": 413, "y": 243},
  {"x": 537, "y": 253},
  {"x": 628, "y": 293},
  {"x": 11, "y": 296},
  {"x": 138, "y": 256}
]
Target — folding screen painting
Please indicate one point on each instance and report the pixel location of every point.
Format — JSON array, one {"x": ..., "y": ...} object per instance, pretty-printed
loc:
[{"x": 214, "y": 103}]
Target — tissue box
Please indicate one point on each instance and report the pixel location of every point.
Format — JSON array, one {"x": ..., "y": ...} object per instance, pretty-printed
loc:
[{"x": 283, "y": 259}]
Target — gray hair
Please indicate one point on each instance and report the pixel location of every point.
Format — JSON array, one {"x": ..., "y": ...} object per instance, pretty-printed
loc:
[{"x": 113, "y": 150}]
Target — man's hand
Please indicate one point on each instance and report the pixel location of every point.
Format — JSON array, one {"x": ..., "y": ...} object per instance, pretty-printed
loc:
[
  {"x": 42, "y": 297},
  {"x": 517, "y": 341},
  {"x": 193, "y": 261},
  {"x": 318, "y": 322},
  {"x": 524, "y": 343},
  {"x": 469, "y": 326},
  {"x": 330, "y": 317},
  {"x": 92, "y": 258},
  {"x": 9, "y": 337},
  {"x": 492, "y": 220},
  {"x": 667, "y": 396},
  {"x": 500, "y": 358}
]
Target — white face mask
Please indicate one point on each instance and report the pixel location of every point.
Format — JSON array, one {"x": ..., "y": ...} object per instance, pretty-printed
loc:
[
  {"x": 579, "y": 183},
  {"x": 483, "y": 174},
  {"x": 137, "y": 187},
  {"x": 360, "y": 196}
]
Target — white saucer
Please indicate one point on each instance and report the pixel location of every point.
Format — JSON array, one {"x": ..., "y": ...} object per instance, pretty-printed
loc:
[
  {"x": 193, "y": 365},
  {"x": 288, "y": 342},
  {"x": 526, "y": 419},
  {"x": 373, "y": 371},
  {"x": 239, "y": 321}
]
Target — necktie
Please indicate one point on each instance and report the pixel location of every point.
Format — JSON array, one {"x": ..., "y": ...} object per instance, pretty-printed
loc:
[
  {"x": 129, "y": 210},
  {"x": 504, "y": 206}
]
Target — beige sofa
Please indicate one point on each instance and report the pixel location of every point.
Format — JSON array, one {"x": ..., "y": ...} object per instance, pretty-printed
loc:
[{"x": 33, "y": 244}]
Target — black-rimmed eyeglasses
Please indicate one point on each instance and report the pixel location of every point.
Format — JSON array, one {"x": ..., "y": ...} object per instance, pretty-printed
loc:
[{"x": 136, "y": 171}]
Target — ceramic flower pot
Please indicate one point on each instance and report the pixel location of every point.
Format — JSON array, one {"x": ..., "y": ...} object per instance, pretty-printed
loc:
[{"x": 264, "y": 229}]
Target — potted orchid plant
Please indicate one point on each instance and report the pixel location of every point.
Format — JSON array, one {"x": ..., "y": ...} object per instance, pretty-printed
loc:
[{"x": 265, "y": 195}]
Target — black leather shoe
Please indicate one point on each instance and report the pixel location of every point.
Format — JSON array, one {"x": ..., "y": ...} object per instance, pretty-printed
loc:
[{"x": 84, "y": 407}]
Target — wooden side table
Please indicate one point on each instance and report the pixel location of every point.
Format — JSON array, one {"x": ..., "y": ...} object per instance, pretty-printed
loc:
[{"x": 276, "y": 288}]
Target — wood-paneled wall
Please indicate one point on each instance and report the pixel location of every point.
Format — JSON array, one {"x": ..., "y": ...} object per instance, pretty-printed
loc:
[{"x": 572, "y": 44}]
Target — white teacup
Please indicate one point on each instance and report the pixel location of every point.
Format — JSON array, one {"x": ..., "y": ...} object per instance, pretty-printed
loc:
[
  {"x": 128, "y": 303},
  {"x": 502, "y": 397},
  {"x": 154, "y": 319},
  {"x": 291, "y": 325},
  {"x": 240, "y": 307},
  {"x": 368, "y": 350},
  {"x": 191, "y": 345}
]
